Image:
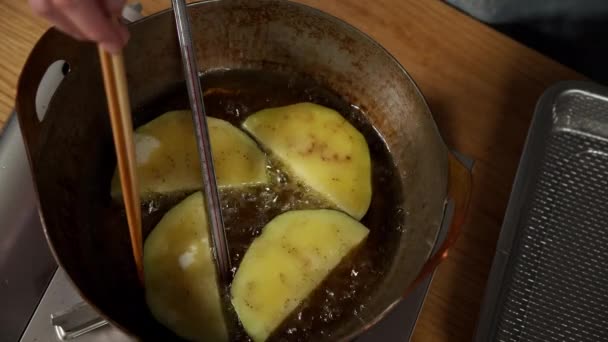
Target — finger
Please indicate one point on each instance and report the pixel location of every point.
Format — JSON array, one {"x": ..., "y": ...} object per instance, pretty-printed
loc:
[
  {"x": 89, "y": 18},
  {"x": 124, "y": 33},
  {"x": 113, "y": 7},
  {"x": 63, "y": 24},
  {"x": 45, "y": 9}
]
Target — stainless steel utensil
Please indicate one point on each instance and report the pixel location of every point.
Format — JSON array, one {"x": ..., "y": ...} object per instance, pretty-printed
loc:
[{"x": 210, "y": 193}]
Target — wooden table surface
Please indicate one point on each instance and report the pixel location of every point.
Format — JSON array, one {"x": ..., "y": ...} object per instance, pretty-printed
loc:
[{"x": 481, "y": 86}]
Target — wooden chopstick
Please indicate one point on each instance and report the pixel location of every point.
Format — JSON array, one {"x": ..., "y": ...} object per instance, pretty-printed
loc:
[{"x": 115, "y": 83}]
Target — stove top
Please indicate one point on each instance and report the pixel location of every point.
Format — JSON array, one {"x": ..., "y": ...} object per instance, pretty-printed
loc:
[{"x": 62, "y": 315}]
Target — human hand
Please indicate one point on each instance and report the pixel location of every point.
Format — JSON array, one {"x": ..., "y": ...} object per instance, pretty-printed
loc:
[{"x": 91, "y": 20}]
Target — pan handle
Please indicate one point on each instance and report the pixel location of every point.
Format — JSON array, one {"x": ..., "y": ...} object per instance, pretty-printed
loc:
[
  {"x": 76, "y": 321},
  {"x": 459, "y": 191},
  {"x": 37, "y": 83}
]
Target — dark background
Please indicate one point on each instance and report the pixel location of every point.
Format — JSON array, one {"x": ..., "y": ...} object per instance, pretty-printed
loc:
[{"x": 573, "y": 32}]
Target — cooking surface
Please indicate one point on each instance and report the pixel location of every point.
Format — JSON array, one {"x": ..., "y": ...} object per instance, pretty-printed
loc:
[{"x": 481, "y": 86}]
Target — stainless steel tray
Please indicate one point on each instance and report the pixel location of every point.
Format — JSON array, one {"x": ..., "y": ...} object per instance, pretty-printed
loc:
[{"x": 549, "y": 278}]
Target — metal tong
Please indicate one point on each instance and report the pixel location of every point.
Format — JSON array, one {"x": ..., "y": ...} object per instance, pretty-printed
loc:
[{"x": 210, "y": 192}]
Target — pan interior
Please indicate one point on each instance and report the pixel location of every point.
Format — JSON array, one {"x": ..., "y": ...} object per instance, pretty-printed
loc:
[{"x": 232, "y": 96}]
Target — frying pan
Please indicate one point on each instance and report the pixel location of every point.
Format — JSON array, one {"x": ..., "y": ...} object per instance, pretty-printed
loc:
[{"x": 68, "y": 148}]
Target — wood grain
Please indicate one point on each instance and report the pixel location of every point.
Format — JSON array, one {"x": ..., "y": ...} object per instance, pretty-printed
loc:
[
  {"x": 481, "y": 86},
  {"x": 19, "y": 30}
]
